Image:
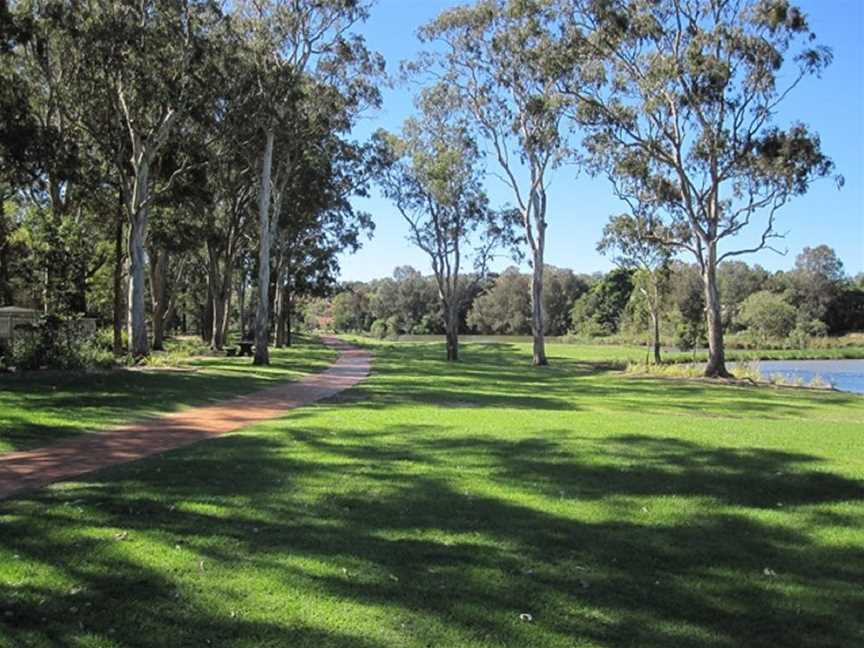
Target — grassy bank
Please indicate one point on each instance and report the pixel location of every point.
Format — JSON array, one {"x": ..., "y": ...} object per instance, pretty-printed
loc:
[
  {"x": 38, "y": 408},
  {"x": 484, "y": 504},
  {"x": 616, "y": 352}
]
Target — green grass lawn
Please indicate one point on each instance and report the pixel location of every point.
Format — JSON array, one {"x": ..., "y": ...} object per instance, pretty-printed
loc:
[
  {"x": 39, "y": 408},
  {"x": 852, "y": 347},
  {"x": 484, "y": 504}
]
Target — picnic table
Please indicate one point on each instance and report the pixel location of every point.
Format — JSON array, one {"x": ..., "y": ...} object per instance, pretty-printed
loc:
[{"x": 246, "y": 347}]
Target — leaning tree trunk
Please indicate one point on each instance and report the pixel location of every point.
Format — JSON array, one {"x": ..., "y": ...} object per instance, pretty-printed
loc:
[
  {"x": 137, "y": 232},
  {"x": 262, "y": 316},
  {"x": 716, "y": 367}
]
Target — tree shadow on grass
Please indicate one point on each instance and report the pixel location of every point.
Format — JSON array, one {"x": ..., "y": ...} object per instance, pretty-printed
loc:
[
  {"x": 385, "y": 520},
  {"x": 498, "y": 376},
  {"x": 37, "y": 410}
]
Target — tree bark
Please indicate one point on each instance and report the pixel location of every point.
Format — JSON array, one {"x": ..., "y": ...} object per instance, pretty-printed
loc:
[
  {"x": 219, "y": 281},
  {"x": 137, "y": 232},
  {"x": 119, "y": 259},
  {"x": 716, "y": 367},
  {"x": 452, "y": 334},
  {"x": 289, "y": 306},
  {"x": 241, "y": 297},
  {"x": 655, "y": 327},
  {"x": 262, "y": 316},
  {"x": 537, "y": 316},
  {"x": 281, "y": 316},
  {"x": 6, "y": 296},
  {"x": 207, "y": 318},
  {"x": 159, "y": 296}
]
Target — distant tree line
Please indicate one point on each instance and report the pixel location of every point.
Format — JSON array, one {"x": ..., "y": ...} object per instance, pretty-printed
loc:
[{"x": 814, "y": 299}]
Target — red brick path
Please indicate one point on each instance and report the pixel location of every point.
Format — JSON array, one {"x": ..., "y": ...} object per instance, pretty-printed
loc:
[{"x": 21, "y": 471}]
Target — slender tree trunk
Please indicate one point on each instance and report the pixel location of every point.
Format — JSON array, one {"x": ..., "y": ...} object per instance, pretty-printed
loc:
[
  {"x": 537, "y": 316},
  {"x": 137, "y": 233},
  {"x": 6, "y": 296},
  {"x": 225, "y": 322},
  {"x": 655, "y": 327},
  {"x": 119, "y": 259},
  {"x": 219, "y": 282},
  {"x": 716, "y": 367},
  {"x": 241, "y": 297},
  {"x": 452, "y": 334},
  {"x": 159, "y": 295},
  {"x": 280, "y": 316},
  {"x": 262, "y": 316},
  {"x": 207, "y": 318},
  {"x": 218, "y": 339},
  {"x": 289, "y": 307}
]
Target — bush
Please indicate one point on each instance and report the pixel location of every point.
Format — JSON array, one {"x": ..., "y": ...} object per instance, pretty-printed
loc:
[
  {"x": 104, "y": 339},
  {"x": 689, "y": 336},
  {"x": 768, "y": 315},
  {"x": 378, "y": 329},
  {"x": 57, "y": 343}
]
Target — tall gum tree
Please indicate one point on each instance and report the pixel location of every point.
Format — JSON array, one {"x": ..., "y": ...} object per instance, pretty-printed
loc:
[
  {"x": 290, "y": 40},
  {"x": 493, "y": 53},
  {"x": 146, "y": 73},
  {"x": 682, "y": 119}
]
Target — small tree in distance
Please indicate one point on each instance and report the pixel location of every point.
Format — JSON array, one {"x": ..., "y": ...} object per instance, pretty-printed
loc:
[
  {"x": 635, "y": 250},
  {"x": 433, "y": 176}
]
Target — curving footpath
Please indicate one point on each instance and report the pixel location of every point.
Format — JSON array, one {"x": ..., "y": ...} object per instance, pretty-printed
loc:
[{"x": 20, "y": 471}]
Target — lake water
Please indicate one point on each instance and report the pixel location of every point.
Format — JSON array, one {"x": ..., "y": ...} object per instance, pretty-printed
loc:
[{"x": 845, "y": 375}]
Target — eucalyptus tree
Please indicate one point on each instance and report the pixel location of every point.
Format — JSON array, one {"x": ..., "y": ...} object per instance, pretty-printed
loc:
[
  {"x": 635, "y": 249},
  {"x": 291, "y": 40},
  {"x": 492, "y": 54},
  {"x": 433, "y": 175},
  {"x": 147, "y": 71},
  {"x": 684, "y": 120},
  {"x": 316, "y": 220}
]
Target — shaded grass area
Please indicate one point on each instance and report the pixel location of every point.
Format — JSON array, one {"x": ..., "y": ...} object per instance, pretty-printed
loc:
[
  {"x": 486, "y": 504},
  {"x": 39, "y": 408}
]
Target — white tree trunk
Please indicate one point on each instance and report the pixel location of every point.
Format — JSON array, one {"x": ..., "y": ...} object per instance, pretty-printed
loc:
[
  {"x": 716, "y": 367},
  {"x": 262, "y": 316},
  {"x": 137, "y": 232}
]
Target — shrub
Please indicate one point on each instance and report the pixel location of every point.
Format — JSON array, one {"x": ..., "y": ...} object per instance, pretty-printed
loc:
[
  {"x": 378, "y": 329},
  {"x": 768, "y": 315},
  {"x": 57, "y": 343},
  {"x": 104, "y": 339}
]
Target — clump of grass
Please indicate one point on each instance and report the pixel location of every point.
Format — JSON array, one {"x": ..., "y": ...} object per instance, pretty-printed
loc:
[
  {"x": 817, "y": 382},
  {"x": 668, "y": 370},
  {"x": 743, "y": 371}
]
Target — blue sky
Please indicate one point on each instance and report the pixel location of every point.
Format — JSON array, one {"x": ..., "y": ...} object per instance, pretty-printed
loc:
[{"x": 579, "y": 206}]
